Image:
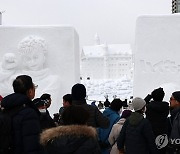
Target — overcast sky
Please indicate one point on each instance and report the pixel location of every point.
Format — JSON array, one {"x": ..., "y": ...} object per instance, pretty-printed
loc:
[{"x": 113, "y": 20}]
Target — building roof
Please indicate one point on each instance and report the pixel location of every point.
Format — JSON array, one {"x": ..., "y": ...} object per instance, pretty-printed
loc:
[{"x": 110, "y": 49}]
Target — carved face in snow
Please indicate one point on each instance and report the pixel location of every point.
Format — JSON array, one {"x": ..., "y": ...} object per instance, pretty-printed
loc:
[
  {"x": 32, "y": 49},
  {"x": 34, "y": 62}
]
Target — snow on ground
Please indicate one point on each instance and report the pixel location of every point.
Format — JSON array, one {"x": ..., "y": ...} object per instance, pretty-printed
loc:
[{"x": 98, "y": 89}]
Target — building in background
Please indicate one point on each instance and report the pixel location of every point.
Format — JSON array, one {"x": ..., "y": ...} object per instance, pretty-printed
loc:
[{"x": 106, "y": 61}]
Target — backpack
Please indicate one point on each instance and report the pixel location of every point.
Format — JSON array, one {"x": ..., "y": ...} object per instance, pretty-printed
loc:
[{"x": 6, "y": 142}]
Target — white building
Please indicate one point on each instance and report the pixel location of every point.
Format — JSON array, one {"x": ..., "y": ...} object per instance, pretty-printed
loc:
[{"x": 106, "y": 61}]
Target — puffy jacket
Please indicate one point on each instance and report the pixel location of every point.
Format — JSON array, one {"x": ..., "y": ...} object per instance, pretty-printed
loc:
[
  {"x": 25, "y": 124},
  {"x": 113, "y": 117},
  {"x": 72, "y": 139}
]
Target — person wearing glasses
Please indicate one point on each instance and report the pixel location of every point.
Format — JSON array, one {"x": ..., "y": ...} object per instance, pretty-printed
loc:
[
  {"x": 25, "y": 121},
  {"x": 174, "y": 123}
]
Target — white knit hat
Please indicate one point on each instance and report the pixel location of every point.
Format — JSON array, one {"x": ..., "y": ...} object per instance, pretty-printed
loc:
[{"x": 138, "y": 103}]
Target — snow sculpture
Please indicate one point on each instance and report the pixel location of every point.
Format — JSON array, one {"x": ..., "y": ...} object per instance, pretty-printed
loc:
[
  {"x": 8, "y": 68},
  {"x": 157, "y": 54},
  {"x": 50, "y": 54},
  {"x": 33, "y": 51}
]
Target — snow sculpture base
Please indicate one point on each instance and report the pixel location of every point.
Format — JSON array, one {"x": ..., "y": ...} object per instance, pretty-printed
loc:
[
  {"x": 55, "y": 73},
  {"x": 157, "y": 51}
]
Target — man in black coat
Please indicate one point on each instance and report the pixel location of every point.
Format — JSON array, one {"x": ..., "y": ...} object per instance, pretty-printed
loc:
[{"x": 25, "y": 123}]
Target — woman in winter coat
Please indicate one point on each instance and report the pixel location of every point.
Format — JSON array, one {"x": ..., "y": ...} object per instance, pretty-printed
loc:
[
  {"x": 116, "y": 130},
  {"x": 75, "y": 137}
]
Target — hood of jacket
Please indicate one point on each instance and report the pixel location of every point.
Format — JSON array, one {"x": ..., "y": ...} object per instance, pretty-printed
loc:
[
  {"x": 76, "y": 131},
  {"x": 14, "y": 100},
  {"x": 135, "y": 118}
]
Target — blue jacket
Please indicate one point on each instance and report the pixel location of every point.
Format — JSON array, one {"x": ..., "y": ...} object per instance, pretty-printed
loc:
[
  {"x": 113, "y": 117},
  {"x": 25, "y": 124}
]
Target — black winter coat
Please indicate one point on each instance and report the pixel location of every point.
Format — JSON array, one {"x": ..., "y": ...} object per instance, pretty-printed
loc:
[
  {"x": 72, "y": 139},
  {"x": 96, "y": 119},
  {"x": 25, "y": 124},
  {"x": 157, "y": 113},
  {"x": 137, "y": 136}
]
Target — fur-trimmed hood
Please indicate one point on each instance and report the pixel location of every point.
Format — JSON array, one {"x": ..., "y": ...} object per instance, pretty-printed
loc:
[{"x": 70, "y": 130}]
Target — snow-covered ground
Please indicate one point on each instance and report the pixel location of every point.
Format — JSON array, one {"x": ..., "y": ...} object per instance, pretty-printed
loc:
[{"x": 98, "y": 89}]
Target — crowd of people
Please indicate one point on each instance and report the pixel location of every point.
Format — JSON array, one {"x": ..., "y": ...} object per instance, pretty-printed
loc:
[{"x": 152, "y": 127}]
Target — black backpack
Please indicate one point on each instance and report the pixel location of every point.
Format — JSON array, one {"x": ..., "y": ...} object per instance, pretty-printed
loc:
[{"x": 6, "y": 142}]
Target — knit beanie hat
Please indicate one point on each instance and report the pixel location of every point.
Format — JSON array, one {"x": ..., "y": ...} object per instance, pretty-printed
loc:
[
  {"x": 78, "y": 92},
  {"x": 176, "y": 95},
  {"x": 138, "y": 103},
  {"x": 158, "y": 94},
  {"x": 126, "y": 113}
]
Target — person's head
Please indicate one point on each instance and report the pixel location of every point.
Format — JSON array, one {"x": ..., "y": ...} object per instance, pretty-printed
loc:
[
  {"x": 75, "y": 115},
  {"x": 158, "y": 94},
  {"x": 67, "y": 100},
  {"x": 139, "y": 105},
  {"x": 78, "y": 92},
  {"x": 33, "y": 49},
  {"x": 23, "y": 84},
  {"x": 175, "y": 99},
  {"x": 9, "y": 61},
  {"x": 116, "y": 104},
  {"x": 126, "y": 114},
  {"x": 107, "y": 103},
  {"x": 47, "y": 98}
]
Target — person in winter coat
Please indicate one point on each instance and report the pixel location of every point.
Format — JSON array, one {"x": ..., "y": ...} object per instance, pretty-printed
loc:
[
  {"x": 45, "y": 119},
  {"x": 116, "y": 130},
  {"x": 136, "y": 136},
  {"x": 157, "y": 113},
  {"x": 96, "y": 118},
  {"x": 25, "y": 123},
  {"x": 75, "y": 137},
  {"x": 112, "y": 113},
  {"x": 174, "y": 121}
]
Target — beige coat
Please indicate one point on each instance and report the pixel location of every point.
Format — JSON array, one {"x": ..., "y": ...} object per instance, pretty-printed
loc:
[{"x": 114, "y": 135}]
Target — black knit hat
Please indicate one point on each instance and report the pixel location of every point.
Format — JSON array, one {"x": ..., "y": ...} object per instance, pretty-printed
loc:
[
  {"x": 78, "y": 92},
  {"x": 158, "y": 94},
  {"x": 176, "y": 95}
]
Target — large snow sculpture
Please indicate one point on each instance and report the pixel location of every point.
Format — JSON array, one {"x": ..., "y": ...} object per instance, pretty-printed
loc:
[{"x": 49, "y": 54}]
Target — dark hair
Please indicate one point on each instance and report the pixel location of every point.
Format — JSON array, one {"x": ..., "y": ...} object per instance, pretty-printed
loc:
[
  {"x": 22, "y": 84},
  {"x": 116, "y": 104},
  {"x": 68, "y": 98},
  {"x": 75, "y": 115},
  {"x": 176, "y": 95},
  {"x": 78, "y": 92},
  {"x": 45, "y": 96}
]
